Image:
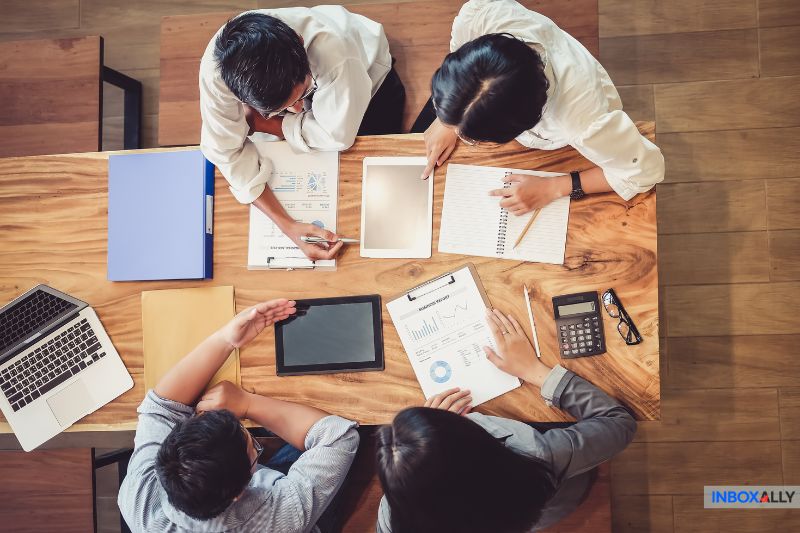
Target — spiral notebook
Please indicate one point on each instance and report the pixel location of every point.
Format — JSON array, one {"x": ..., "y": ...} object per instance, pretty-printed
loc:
[{"x": 473, "y": 223}]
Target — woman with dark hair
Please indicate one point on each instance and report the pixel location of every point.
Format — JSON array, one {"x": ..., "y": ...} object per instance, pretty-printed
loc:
[
  {"x": 513, "y": 74},
  {"x": 446, "y": 470}
]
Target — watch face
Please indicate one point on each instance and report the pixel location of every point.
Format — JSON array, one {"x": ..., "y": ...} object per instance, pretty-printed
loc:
[{"x": 577, "y": 194}]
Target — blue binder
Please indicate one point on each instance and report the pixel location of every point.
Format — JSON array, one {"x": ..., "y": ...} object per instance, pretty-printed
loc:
[{"x": 160, "y": 216}]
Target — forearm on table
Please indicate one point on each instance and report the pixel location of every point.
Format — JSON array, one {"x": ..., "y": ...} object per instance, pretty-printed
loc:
[
  {"x": 268, "y": 204},
  {"x": 186, "y": 380},
  {"x": 592, "y": 181},
  {"x": 290, "y": 421}
]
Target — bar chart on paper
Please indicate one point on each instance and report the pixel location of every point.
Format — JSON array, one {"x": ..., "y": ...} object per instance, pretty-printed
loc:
[{"x": 444, "y": 331}]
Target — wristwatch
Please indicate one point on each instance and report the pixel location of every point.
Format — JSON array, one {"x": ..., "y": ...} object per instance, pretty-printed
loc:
[{"x": 577, "y": 191}]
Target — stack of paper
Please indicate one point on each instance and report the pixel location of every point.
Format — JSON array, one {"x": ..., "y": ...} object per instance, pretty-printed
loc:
[
  {"x": 307, "y": 185},
  {"x": 175, "y": 321}
]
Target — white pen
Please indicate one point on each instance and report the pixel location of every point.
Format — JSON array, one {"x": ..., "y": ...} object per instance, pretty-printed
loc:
[
  {"x": 533, "y": 326},
  {"x": 316, "y": 240}
]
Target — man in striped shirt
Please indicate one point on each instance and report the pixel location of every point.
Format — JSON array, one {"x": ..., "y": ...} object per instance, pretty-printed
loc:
[{"x": 195, "y": 468}]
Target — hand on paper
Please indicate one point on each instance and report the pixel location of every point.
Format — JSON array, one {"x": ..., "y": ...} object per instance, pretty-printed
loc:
[
  {"x": 225, "y": 395},
  {"x": 514, "y": 354},
  {"x": 527, "y": 193},
  {"x": 440, "y": 141},
  {"x": 455, "y": 400},
  {"x": 312, "y": 250},
  {"x": 245, "y": 326}
]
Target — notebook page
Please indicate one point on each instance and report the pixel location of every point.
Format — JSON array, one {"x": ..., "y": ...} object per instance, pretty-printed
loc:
[
  {"x": 478, "y": 216},
  {"x": 470, "y": 217},
  {"x": 546, "y": 240}
]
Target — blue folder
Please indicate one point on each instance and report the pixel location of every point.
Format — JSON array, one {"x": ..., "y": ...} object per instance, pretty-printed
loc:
[{"x": 160, "y": 211}]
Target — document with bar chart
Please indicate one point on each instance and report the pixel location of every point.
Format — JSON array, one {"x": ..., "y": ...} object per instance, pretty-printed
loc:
[
  {"x": 442, "y": 325},
  {"x": 307, "y": 186}
]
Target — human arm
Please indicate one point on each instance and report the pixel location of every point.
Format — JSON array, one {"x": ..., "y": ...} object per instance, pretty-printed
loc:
[
  {"x": 604, "y": 426},
  {"x": 186, "y": 380},
  {"x": 534, "y": 192},
  {"x": 337, "y": 110},
  {"x": 268, "y": 204}
]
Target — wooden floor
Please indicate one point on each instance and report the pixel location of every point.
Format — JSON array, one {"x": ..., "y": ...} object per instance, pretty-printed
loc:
[{"x": 722, "y": 81}]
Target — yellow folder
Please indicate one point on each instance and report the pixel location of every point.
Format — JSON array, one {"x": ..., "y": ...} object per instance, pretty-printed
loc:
[{"x": 175, "y": 321}]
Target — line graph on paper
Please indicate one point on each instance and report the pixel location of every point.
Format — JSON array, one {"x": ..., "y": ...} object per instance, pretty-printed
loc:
[{"x": 454, "y": 315}]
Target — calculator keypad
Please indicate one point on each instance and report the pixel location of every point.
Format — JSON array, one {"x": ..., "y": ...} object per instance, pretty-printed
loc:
[{"x": 580, "y": 337}]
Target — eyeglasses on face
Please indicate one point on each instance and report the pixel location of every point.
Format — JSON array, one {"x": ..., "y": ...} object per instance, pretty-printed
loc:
[
  {"x": 256, "y": 446},
  {"x": 307, "y": 94},
  {"x": 625, "y": 327}
]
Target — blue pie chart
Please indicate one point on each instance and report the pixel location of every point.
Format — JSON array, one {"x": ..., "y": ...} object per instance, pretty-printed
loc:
[{"x": 441, "y": 372}]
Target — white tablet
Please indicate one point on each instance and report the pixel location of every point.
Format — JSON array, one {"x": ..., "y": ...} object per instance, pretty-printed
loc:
[{"x": 396, "y": 208}]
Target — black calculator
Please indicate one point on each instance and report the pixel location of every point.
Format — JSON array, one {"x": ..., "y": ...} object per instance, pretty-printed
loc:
[{"x": 579, "y": 326}]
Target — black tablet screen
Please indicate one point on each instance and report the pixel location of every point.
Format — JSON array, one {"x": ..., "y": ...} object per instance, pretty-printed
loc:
[{"x": 326, "y": 334}]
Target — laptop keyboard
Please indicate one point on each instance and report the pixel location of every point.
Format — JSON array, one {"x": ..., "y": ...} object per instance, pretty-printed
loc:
[
  {"x": 30, "y": 314},
  {"x": 50, "y": 365}
]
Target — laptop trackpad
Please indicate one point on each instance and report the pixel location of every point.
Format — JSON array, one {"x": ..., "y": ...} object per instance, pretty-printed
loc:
[{"x": 71, "y": 403}]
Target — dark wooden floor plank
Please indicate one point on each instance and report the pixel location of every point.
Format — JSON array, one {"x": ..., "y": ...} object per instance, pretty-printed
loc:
[
  {"x": 684, "y": 467},
  {"x": 672, "y": 57},
  {"x": 736, "y": 257},
  {"x": 644, "y": 17},
  {"x": 741, "y": 309},
  {"x": 732, "y": 361},
  {"x": 783, "y": 209},
  {"x": 726, "y": 105},
  {"x": 726, "y": 415},
  {"x": 638, "y": 513},
  {"x": 731, "y": 155},
  {"x": 711, "y": 207},
  {"x": 784, "y": 253},
  {"x": 778, "y": 13},
  {"x": 789, "y": 401},
  {"x": 637, "y": 101},
  {"x": 779, "y": 53},
  {"x": 690, "y": 517}
]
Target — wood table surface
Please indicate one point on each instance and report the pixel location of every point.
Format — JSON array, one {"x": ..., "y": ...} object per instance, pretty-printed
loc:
[
  {"x": 418, "y": 34},
  {"x": 53, "y": 230}
]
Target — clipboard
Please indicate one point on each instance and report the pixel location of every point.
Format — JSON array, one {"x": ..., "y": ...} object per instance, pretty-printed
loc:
[
  {"x": 443, "y": 281},
  {"x": 443, "y": 328}
]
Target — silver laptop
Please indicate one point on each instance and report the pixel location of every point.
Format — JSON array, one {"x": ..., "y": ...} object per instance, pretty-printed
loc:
[{"x": 57, "y": 364}]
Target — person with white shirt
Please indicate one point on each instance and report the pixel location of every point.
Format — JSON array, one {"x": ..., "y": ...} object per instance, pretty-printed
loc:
[
  {"x": 513, "y": 74},
  {"x": 316, "y": 77}
]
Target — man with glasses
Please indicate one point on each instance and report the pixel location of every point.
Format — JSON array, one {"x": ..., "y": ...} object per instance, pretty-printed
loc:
[
  {"x": 316, "y": 77},
  {"x": 196, "y": 468}
]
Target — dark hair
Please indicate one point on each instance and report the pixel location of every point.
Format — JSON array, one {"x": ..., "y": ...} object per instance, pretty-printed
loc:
[
  {"x": 492, "y": 88},
  {"x": 261, "y": 60},
  {"x": 203, "y": 464},
  {"x": 443, "y": 472}
]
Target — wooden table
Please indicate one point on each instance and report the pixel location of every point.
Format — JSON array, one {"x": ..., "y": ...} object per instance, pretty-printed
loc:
[
  {"x": 53, "y": 222},
  {"x": 419, "y": 38}
]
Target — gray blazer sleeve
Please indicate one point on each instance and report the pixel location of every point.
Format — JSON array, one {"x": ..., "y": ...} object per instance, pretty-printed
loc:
[{"x": 603, "y": 428}]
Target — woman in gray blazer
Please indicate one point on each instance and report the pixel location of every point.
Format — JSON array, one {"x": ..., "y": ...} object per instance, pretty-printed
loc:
[{"x": 444, "y": 469}]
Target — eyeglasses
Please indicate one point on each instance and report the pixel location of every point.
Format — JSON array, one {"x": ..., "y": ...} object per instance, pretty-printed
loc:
[
  {"x": 466, "y": 140},
  {"x": 625, "y": 327},
  {"x": 306, "y": 94},
  {"x": 257, "y": 447}
]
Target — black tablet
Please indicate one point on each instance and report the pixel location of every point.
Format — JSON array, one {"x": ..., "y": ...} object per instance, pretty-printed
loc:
[{"x": 331, "y": 335}]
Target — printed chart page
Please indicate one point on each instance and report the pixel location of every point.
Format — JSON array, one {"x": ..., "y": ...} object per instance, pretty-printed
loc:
[
  {"x": 443, "y": 331},
  {"x": 307, "y": 187}
]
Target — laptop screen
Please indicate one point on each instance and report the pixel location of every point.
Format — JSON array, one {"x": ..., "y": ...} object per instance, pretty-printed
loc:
[{"x": 30, "y": 314}]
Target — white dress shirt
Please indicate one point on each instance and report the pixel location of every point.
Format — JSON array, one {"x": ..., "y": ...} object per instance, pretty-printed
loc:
[
  {"x": 349, "y": 58},
  {"x": 583, "y": 107}
]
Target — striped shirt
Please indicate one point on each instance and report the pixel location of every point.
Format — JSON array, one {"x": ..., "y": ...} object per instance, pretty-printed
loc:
[{"x": 271, "y": 501}]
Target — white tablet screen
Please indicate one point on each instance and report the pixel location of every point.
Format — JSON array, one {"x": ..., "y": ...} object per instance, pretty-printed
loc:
[{"x": 396, "y": 208}]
